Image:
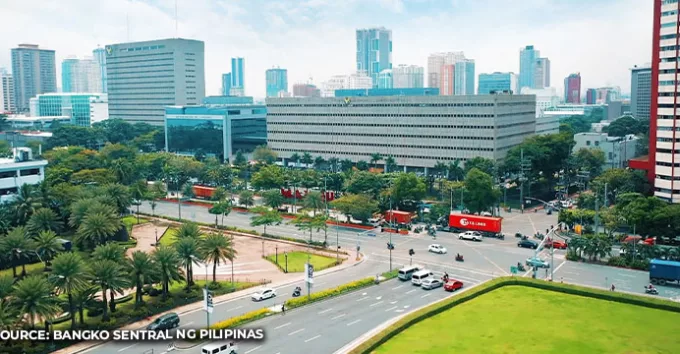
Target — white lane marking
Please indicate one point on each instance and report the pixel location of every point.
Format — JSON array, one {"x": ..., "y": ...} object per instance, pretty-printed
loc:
[
  {"x": 397, "y": 287},
  {"x": 353, "y": 322},
  {"x": 338, "y": 316},
  {"x": 363, "y": 298},
  {"x": 235, "y": 308},
  {"x": 298, "y": 331},
  {"x": 283, "y": 325},
  {"x": 377, "y": 303},
  {"x": 559, "y": 266},
  {"x": 128, "y": 347},
  {"x": 186, "y": 324},
  {"x": 324, "y": 311},
  {"x": 408, "y": 292},
  {"x": 391, "y": 308},
  {"x": 254, "y": 349},
  {"x": 426, "y": 295},
  {"x": 313, "y": 338},
  {"x": 393, "y": 302}
]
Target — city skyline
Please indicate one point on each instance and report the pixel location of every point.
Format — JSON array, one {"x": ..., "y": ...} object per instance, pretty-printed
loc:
[{"x": 317, "y": 38}]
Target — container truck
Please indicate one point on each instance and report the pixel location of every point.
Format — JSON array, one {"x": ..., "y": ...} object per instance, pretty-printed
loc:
[
  {"x": 475, "y": 222},
  {"x": 662, "y": 271},
  {"x": 398, "y": 217}
]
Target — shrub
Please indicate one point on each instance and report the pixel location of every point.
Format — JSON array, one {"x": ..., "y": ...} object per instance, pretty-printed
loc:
[
  {"x": 617, "y": 261},
  {"x": 124, "y": 299},
  {"x": 345, "y": 288},
  {"x": 94, "y": 312},
  {"x": 63, "y": 318},
  {"x": 391, "y": 275},
  {"x": 214, "y": 286},
  {"x": 572, "y": 256}
]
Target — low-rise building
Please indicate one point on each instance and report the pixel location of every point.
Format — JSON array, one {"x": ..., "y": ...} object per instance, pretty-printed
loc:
[
  {"x": 22, "y": 122},
  {"x": 617, "y": 150},
  {"x": 23, "y": 138},
  {"x": 18, "y": 170},
  {"x": 417, "y": 131},
  {"x": 77, "y": 106}
]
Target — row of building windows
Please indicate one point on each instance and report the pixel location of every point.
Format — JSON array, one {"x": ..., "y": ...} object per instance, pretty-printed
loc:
[
  {"x": 26, "y": 172},
  {"x": 665, "y": 117},
  {"x": 407, "y": 136},
  {"x": 668, "y": 36},
  {"x": 137, "y": 77},
  {"x": 667, "y": 140},
  {"x": 668, "y": 2},
  {"x": 668, "y": 129},
  {"x": 668, "y": 151},
  {"x": 396, "y": 146},
  {"x": 667, "y": 164},
  {"x": 670, "y": 47},
  {"x": 334, "y": 152},
  {"x": 434, "y": 126},
  {"x": 668, "y": 178},
  {"x": 136, "y": 49},
  {"x": 383, "y": 105},
  {"x": 669, "y": 13},
  {"x": 144, "y": 57},
  {"x": 376, "y": 115},
  {"x": 670, "y": 24}
]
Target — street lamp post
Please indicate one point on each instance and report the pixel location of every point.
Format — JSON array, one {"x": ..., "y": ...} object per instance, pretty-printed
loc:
[
  {"x": 285, "y": 254},
  {"x": 156, "y": 232},
  {"x": 277, "y": 253},
  {"x": 205, "y": 265},
  {"x": 262, "y": 248}
]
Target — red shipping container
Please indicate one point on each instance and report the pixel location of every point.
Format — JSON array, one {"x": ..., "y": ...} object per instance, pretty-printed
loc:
[
  {"x": 398, "y": 217},
  {"x": 475, "y": 222},
  {"x": 203, "y": 192}
]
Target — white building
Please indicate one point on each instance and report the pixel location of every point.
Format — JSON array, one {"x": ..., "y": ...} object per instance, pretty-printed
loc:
[
  {"x": 19, "y": 170},
  {"x": 435, "y": 62},
  {"x": 408, "y": 76},
  {"x": 545, "y": 98},
  {"x": 23, "y": 122},
  {"x": 358, "y": 80},
  {"x": 7, "y": 104},
  {"x": 81, "y": 75},
  {"x": 99, "y": 109},
  {"x": 617, "y": 150}
]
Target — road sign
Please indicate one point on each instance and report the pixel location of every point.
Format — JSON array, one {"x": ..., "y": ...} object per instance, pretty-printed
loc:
[
  {"x": 513, "y": 269},
  {"x": 309, "y": 273},
  {"x": 207, "y": 301}
]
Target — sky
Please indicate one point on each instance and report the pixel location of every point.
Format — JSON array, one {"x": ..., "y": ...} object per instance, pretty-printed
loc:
[{"x": 315, "y": 39}]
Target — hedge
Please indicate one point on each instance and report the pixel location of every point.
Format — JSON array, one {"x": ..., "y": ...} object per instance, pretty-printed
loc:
[
  {"x": 321, "y": 295},
  {"x": 409, "y": 320},
  {"x": 243, "y": 319}
]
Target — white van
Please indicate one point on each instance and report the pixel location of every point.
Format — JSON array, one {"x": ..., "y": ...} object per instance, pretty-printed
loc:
[
  {"x": 418, "y": 277},
  {"x": 221, "y": 348},
  {"x": 408, "y": 271}
]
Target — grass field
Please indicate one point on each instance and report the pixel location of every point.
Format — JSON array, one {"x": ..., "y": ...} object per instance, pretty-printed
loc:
[
  {"x": 169, "y": 237},
  {"x": 297, "y": 260},
  {"x": 517, "y": 319},
  {"x": 131, "y": 220}
]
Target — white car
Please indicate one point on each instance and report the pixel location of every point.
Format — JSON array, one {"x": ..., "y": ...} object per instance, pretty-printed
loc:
[
  {"x": 437, "y": 249},
  {"x": 264, "y": 294},
  {"x": 470, "y": 235},
  {"x": 431, "y": 283}
]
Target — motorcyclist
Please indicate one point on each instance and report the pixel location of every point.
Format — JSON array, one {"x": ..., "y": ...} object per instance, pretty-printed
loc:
[
  {"x": 650, "y": 287},
  {"x": 446, "y": 277}
]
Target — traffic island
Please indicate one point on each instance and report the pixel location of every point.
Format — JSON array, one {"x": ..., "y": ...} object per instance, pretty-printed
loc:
[{"x": 294, "y": 262}]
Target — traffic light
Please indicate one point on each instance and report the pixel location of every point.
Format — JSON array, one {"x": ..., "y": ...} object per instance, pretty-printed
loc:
[{"x": 411, "y": 252}]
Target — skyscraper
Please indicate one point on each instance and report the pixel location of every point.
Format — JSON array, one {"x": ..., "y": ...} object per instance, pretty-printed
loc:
[
  {"x": 572, "y": 88},
  {"x": 447, "y": 75},
  {"x": 527, "y": 66},
  {"x": 34, "y": 72},
  {"x": 385, "y": 79},
  {"x": 100, "y": 56},
  {"x": 179, "y": 78},
  {"x": 81, "y": 75},
  {"x": 226, "y": 84},
  {"x": 6, "y": 92},
  {"x": 542, "y": 73},
  {"x": 277, "y": 81},
  {"x": 435, "y": 61},
  {"x": 408, "y": 76},
  {"x": 374, "y": 51},
  {"x": 495, "y": 82},
  {"x": 464, "y": 80},
  {"x": 591, "y": 96},
  {"x": 238, "y": 87},
  {"x": 640, "y": 91}
]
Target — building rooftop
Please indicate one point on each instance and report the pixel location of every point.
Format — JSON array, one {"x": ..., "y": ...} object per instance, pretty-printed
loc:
[{"x": 72, "y": 94}]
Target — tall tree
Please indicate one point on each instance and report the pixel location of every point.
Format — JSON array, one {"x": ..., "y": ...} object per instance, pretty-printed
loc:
[
  {"x": 390, "y": 164},
  {"x": 591, "y": 160},
  {"x": 358, "y": 206},
  {"x": 189, "y": 230},
  {"x": 34, "y": 297},
  {"x": 407, "y": 187},
  {"x": 25, "y": 203},
  {"x": 346, "y": 165},
  {"x": 273, "y": 198},
  {"x": 108, "y": 276},
  {"x": 16, "y": 246},
  {"x": 313, "y": 200},
  {"x": 362, "y": 165},
  {"x": 142, "y": 270},
  {"x": 69, "y": 274},
  {"x": 167, "y": 261},
  {"x": 245, "y": 198},
  {"x": 265, "y": 217},
  {"x": 455, "y": 172},
  {"x": 97, "y": 228},
  {"x": 268, "y": 177},
  {"x": 43, "y": 219},
  {"x": 296, "y": 158},
  {"x": 483, "y": 164},
  {"x": 319, "y": 161},
  {"x": 264, "y": 154},
  {"x": 47, "y": 246},
  {"x": 83, "y": 298},
  {"x": 217, "y": 248},
  {"x": 187, "y": 250},
  {"x": 480, "y": 192},
  {"x": 115, "y": 253},
  {"x": 375, "y": 158},
  {"x": 307, "y": 159}
]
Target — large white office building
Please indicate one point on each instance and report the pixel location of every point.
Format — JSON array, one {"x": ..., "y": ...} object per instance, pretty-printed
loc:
[
  {"x": 6, "y": 92},
  {"x": 358, "y": 80},
  {"x": 145, "y": 77},
  {"x": 417, "y": 131}
]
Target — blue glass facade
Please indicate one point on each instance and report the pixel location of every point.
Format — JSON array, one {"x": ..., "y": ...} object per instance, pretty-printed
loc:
[
  {"x": 277, "y": 81},
  {"x": 226, "y": 84},
  {"x": 464, "y": 77},
  {"x": 227, "y": 100},
  {"x": 387, "y": 92},
  {"x": 385, "y": 79},
  {"x": 76, "y": 106},
  {"x": 67, "y": 67},
  {"x": 100, "y": 56},
  {"x": 374, "y": 51},
  {"x": 527, "y": 66},
  {"x": 489, "y": 83},
  {"x": 237, "y": 73}
]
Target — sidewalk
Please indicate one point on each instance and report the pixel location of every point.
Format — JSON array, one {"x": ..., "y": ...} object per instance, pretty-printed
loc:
[{"x": 80, "y": 347}]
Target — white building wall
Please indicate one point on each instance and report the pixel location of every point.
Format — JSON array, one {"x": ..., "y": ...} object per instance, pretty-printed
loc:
[
  {"x": 617, "y": 150},
  {"x": 408, "y": 76},
  {"x": 99, "y": 109},
  {"x": 434, "y": 65},
  {"x": 357, "y": 80},
  {"x": 6, "y": 92},
  {"x": 33, "y": 110}
]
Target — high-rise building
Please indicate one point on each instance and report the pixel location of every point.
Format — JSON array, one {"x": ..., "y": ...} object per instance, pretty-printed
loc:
[
  {"x": 81, "y": 75},
  {"x": 374, "y": 51},
  {"x": 385, "y": 79},
  {"x": 226, "y": 84},
  {"x": 100, "y": 56},
  {"x": 178, "y": 78},
  {"x": 527, "y": 66},
  {"x": 358, "y": 80},
  {"x": 277, "y": 81},
  {"x": 497, "y": 82},
  {"x": 640, "y": 91},
  {"x": 238, "y": 86},
  {"x": 572, "y": 88},
  {"x": 434, "y": 66},
  {"x": 306, "y": 90},
  {"x": 408, "y": 76},
  {"x": 464, "y": 78},
  {"x": 541, "y": 73},
  {"x": 447, "y": 75},
  {"x": 34, "y": 72},
  {"x": 7, "y": 104},
  {"x": 591, "y": 96}
]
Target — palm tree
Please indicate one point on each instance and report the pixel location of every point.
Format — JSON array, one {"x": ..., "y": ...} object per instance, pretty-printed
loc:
[
  {"x": 33, "y": 296},
  {"x": 455, "y": 172},
  {"x": 167, "y": 261},
  {"x": 245, "y": 198},
  {"x": 215, "y": 210},
  {"x": 346, "y": 164},
  {"x": 16, "y": 246},
  {"x": 25, "y": 203},
  {"x": 112, "y": 252},
  {"x": 390, "y": 164},
  {"x": 43, "y": 219},
  {"x": 6, "y": 287},
  {"x": 9, "y": 317},
  {"x": 441, "y": 167},
  {"x": 333, "y": 164},
  {"x": 187, "y": 249},
  {"x": 267, "y": 217},
  {"x": 141, "y": 269},
  {"x": 108, "y": 275},
  {"x": 295, "y": 157},
  {"x": 190, "y": 230},
  {"x": 98, "y": 228},
  {"x": 273, "y": 198},
  {"x": 69, "y": 274},
  {"x": 319, "y": 161},
  {"x": 307, "y": 159},
  {"x": 375, "y": 157},
  {"x": 313, "y": 200},
  {"x": 81, "y": 299},
  {"x": 82, "y": 207},
  {"x": 120, "y": 194},
  {"x": 47, "y": 246},
  {"x": 139, "y": 191},
  {"x": 362, "y": 165},
  {"x": 217, "y": 248}
]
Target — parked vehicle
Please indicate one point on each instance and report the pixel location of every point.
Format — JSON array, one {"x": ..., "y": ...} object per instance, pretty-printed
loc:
[
  {"x": 537, "y": 262},
  {"x": 418, "y": 277},
  {"x": 435, "y": 248},
  {"x": 662, "y": 271},
  {"x": 526, "y": 243},
  {"x": 407, "y": 272},
  {"x": 475, "y": 222},
  {"x": 453, "y": 285},
  {"x": 398, "y": 217},
  {"x": 167, "y": 321},
  {"x": 431, "y": 283},
  {"x": 470, "y": 235},
  {"x": 219, "y": 348},
  {"x": 264, "y": 294}
]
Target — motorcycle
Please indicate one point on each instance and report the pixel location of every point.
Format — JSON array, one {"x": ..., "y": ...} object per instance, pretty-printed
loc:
[
  {"x": 459, "y": 258},
  {"x": 297, "y": 291},
  {"x": 651, "y": 291},
  {"x": 521, "y": 268}
]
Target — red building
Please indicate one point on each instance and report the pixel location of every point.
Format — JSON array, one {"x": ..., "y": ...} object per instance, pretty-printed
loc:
[
  {"x": 572, "y": 88},
  {"x": 446, "y": 77},
  {"x": 306, "y": 90}
]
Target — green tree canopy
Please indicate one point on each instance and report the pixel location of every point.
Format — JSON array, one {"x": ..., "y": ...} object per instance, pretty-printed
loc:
[
  {"x": 268, "y": 177},
  {"x": 358, "y": 206},
  {"x": 264, "y": 154},
  {"x": 480, "y": 192},
  {"x": 407, "y": 187},
  {"x": 591, "y": 160}
]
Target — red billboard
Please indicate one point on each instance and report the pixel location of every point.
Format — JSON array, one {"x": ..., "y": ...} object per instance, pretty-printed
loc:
[{"x": 475, "y": 222}]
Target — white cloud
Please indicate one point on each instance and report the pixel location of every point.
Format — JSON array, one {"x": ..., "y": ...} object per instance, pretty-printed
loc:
[{"x": 315, "y": 38}]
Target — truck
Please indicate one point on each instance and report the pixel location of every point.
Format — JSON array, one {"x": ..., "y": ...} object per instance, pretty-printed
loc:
[
  {"x": 488, "y": 224},
  {"x": 398, "y": 217},
  {"x": 662, "y": 271},
  {"x": 203, "y": 192}
]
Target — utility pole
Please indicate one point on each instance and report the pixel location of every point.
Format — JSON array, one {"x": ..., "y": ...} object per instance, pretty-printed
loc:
[
  {"x": 391, "y": 226},
  {"x": 606, "y": 204},
  {"x": 525, "y": 166},
  {"x": 597, "y": 213}
]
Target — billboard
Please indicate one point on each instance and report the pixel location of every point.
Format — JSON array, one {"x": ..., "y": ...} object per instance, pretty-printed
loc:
[{"x": 475, "y": 222}]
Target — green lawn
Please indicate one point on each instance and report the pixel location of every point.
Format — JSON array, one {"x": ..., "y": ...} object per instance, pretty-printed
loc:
[
  {"x": 169, "y": 237},
  {"x": 517, "y": 319},
  {"x": 297, "y": 260},
  {"x": 33, "y": 268},
  {"x": 131, "y": 220}
]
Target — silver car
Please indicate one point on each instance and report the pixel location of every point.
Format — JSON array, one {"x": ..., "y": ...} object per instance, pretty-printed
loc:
[{"x": 431, "y": 283}]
